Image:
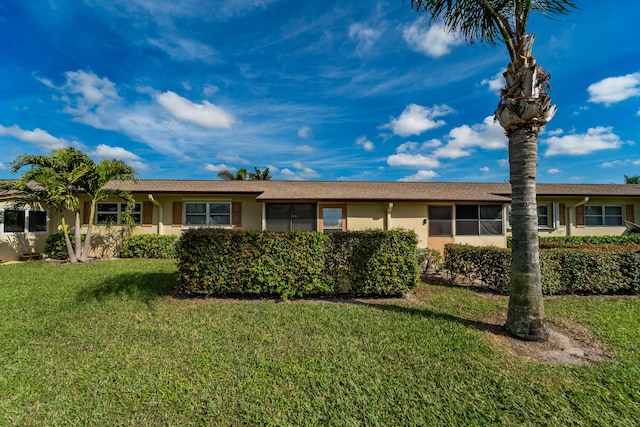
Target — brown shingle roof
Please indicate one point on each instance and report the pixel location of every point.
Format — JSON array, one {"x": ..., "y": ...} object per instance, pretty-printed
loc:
[{"x": 371, "y": 191}]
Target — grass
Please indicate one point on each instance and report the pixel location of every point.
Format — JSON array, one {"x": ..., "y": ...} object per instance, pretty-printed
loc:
[{"x": 105, "y": 344}]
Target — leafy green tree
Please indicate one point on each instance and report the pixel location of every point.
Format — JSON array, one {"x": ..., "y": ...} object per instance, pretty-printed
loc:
[
  {"x": 632, "y": 179},
  {"x": 94, "y": 184},
  {"x": 57, "y": 181},
  {"x": 524, "y": 108},
  {"x": 240, "y": 175},
  {"x": 259, "y": 175}
]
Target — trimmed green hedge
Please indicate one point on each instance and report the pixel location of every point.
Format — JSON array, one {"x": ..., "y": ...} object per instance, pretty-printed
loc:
[
  {"x": 582, "y": 241},
  {"x": 149, "y": 246},
  {"x": 221, "y": 262},
  {"x": 615, "y": 270}
]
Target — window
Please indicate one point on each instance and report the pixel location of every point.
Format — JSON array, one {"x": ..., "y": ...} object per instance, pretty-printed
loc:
[
  {"x": 478, "y": 220},
  {"x": 440, "y": 220},
  {"x": 207, "y": 213},
  {"x": 291, "y": 216},
  {"x": 113, "y": 213},
  {"x": 547, "y": 214},
  {"x": 598, "y": 215},
  {"x": 333, "y": 219},
  {"x": 20, "y": 221}
]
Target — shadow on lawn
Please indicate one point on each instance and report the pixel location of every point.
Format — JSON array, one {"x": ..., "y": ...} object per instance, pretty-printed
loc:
[
  {"x": 493, "y": 328},
  {"x": 143, "y": 287}
]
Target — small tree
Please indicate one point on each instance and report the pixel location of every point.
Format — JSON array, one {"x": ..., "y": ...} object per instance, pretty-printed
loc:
[
  {"x": 259, "y": 175},
  {"x": 240, "y": 175},
  {"x": 632, "y": 179},
  {"x": 57, "y": 181}
]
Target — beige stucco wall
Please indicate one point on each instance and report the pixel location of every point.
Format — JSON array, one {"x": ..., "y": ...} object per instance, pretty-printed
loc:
[
  {"x": 366, "y": 216},
  {"x": 14, "y": 245},
  {"x": 411, "y": 216}
]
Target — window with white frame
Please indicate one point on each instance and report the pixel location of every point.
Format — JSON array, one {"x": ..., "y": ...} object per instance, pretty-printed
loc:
[
  {"x": 547, "y": 215},
  {"x": 24, "y": 221},
  {"x": 207, "y": 213},
  {"x": 478, "y": 220},
  {"x": 114, "y": 213},
  {"x": 603, "y": 215}
]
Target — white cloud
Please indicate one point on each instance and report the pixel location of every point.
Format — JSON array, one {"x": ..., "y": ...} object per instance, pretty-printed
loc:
[
  {"x": 232, "y": 158},
  {"x": 87, "y": 97},
  {"x": 503, "y": 163},
  {"x": 615, "y": 89},
  {"x": 617, "y": 163},
  {"x": 104, "y": 151},
  {"x": 209, "y": 90},
  {"x": 421, "y": 175},
  {"x": 217, "y": 168},
  {"x": 495, "y": 83},
  {"x": 485, "y": 169},
  {"x": 304, "y": 149},
  {"x": 300, "y": 173},
  {"x": 39, "y": 137},
  {"x": 205, "y": 115},
  {"x": 364, "y": 36},
  {"x": 182, "y": 49},
  {"x": 553, "y": 171},
  {"x": 598, "y": 138},
  {"x": 461, "y": 140},
  {"x": 432, "y": 40},
  {"x": 365, "y": 143},
  {"x": 305, "y": 132},
  {"x": 416, "y": 119},
  {"x": 554, "y": 132},
  {"x": 413, "y": 160},
  {"x": 2, "y": 166}
]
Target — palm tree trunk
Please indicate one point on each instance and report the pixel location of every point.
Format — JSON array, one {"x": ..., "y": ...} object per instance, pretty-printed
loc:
[
  {"x": 525, "y": 318},
  {"x": 87, "y": 239},
  {"x": 65, "y": 230},
  {"x": 78, "y": 235}
]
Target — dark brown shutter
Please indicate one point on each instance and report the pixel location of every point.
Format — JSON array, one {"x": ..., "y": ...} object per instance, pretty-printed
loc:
[
  {"x": 236, "y": 214},
  {"x": 147, "y": 214},
  {"x": 562, "y": 214},
  {"x": 580, "y": 216},
  {"x": 86, "y": 212},
  {"x": 176, "y": 217},
  {"x": 629, "y": 213}
]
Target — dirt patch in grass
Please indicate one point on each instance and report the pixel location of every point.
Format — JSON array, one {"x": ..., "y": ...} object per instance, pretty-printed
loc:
[{"x": 567, "y": 344}]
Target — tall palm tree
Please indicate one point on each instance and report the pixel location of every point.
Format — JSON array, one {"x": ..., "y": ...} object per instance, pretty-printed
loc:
[
  {"x": 632, "y": 179},
  {"x": 524, "y": 108},
  {"x": 259, "y": 175},
  {"x": 240, "y": 175},
  {"x": 94, "y": 182}
]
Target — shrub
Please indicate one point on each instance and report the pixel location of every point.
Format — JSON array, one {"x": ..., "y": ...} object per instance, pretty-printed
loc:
[
  {"x": 584, "y": 241},
  {"x": 429, "y": 260},
  {"x": 56, "y": 248},
  {"x": 149, "y": 246},
  {"x": 220, "y": 262},
  {"x": 579, "y": 271}
]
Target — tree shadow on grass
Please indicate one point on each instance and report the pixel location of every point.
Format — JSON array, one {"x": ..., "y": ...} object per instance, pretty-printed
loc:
[
  {"x": 493, "y": 328},
  {"x": 142, "y": 287}
]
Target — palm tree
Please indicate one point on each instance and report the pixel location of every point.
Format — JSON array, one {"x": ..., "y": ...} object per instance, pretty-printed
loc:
[
  {"x": 94, "y": 183},
  {"x": 259, "y": 175},
  {"x": 524, "y": 108},
  {"x": 632, "y": 179},
  {"x": 240, "y": 175},
  {"x": 55, "y": 181}
]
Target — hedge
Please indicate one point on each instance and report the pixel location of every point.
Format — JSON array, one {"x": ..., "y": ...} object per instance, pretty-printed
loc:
[
  {"x": 149, "y": 246},
  {"x": 563, "y": 271},
  {"x": 584, "y": 241},
  {"x": 222, "y": 262}
]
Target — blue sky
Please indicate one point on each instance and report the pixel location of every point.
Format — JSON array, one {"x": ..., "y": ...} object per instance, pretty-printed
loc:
[{"x": 322, "y": 90}]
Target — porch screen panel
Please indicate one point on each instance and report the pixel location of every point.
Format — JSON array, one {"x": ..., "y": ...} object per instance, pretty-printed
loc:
[
  {"x": 440, "y": 221},
  {"x": 278, "y": 217},
  {"x": 303, "y": 217}
]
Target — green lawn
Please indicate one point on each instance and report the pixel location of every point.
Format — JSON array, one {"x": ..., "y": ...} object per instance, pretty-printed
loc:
[{"x": 104, "y": 344}]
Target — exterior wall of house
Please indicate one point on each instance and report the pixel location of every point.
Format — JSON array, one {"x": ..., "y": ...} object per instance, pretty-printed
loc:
[
  {"x": 411, "y": 216},
  {"x": 365, "y": 216},
  {"x": 13, "y": 245}
]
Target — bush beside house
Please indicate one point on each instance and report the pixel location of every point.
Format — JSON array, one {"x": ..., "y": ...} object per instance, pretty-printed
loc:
[
  {"x": 585, "y": 270},
  {"x": 221, "y": 262}
]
